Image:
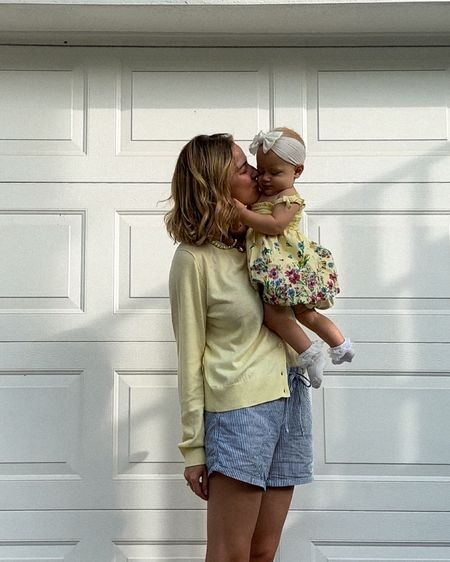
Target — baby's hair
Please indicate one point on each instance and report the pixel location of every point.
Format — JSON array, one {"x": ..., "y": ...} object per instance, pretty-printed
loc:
[{"x": 291, "y": 134}]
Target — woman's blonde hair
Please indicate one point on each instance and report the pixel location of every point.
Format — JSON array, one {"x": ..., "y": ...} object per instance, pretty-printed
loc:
[{"x": 203, "y": 208}]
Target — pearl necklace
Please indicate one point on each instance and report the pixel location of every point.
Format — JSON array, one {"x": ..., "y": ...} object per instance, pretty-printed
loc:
[{"x": 224, "y": 246}]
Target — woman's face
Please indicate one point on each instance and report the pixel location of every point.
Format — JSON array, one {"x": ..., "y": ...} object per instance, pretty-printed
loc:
[{"x": 244, "y": 185}]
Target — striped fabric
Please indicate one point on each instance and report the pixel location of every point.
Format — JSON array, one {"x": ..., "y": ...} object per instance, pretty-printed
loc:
[{"x": 269, "y": 444}]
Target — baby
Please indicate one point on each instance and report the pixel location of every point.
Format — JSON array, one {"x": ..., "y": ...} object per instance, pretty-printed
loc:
[{"x": 289, "y": 270}]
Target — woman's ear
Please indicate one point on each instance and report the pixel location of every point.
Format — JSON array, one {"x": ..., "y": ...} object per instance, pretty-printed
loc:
[{"x": 298, "y": 170}]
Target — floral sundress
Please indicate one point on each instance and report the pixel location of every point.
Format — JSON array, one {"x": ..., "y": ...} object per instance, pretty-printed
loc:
[{"x": 289, "y": 268}]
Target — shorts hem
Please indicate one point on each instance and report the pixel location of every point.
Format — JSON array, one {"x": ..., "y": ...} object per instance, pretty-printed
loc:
[
  {"x": 238, "y": 475},
  {"x": 282, "y": 482}
]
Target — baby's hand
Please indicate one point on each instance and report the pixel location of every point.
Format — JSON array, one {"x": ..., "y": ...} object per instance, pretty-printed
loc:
[{"x": 238, "y": 204}]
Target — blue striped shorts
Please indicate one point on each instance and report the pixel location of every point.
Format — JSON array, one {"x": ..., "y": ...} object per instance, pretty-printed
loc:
[{"x": 269, "y": 444}]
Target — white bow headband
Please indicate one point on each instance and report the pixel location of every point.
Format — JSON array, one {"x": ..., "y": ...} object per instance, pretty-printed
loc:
[{"x": 288, "y": 149}]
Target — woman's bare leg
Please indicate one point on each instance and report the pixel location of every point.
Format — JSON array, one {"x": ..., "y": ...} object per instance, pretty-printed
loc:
[
  {"x": 319, "y": 324},
  {"x": 279, "y": 320},
  {"x": 272, "y": 515},
  {"x": 233, "y": 509}
]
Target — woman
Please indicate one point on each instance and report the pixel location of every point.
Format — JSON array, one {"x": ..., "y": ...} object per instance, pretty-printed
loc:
[{"x": 245, "y": 442}]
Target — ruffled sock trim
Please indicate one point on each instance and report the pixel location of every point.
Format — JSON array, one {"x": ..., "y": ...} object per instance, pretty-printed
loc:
[{"x": 342, "y": 352}]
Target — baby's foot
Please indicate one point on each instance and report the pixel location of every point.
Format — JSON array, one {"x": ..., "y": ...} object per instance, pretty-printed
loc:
[
  {"x": 313, "y": 361},
  {"x": 315, "y": 371},
  {"x": 341, "y": 353}
]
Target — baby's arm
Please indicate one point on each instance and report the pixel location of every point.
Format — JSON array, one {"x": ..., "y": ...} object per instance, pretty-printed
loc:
[{"x": 268, "y": 224}]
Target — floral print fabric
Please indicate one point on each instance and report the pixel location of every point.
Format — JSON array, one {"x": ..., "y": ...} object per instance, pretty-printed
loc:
[{"x": 289, "y": 268}]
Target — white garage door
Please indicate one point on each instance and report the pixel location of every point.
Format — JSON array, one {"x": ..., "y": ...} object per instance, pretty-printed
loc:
[{"x": 89, "y": 469}]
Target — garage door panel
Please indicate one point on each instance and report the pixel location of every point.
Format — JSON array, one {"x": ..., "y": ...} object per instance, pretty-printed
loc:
[
  {"x": 52, "y": 429},
  {"x": 357, "y": 106},
  {"x": 382, "y": 118},
  {"x": 396, "y": 254},
  {"x": 389, "y": 242},
  {"x": 74, "y": 273},
  {"x": 41, "y": 426},
  {"x": 380, "y": 425},
  {"x": 407, "y": 433},
  {"x": 146, "y": 425},
  {"x": 365, "y": 537},
  {"x": 43, "y": 259},
  {"x": 84, "y": 422},
  {"x": 161, "y": 111},
  {"x": 54, "y": 106},
  {"x": 162, "y": 106},
  {"x": 389, "y": 263},
  {"x": 144, "y": 254},
  {"x": 44, "y": 106}
]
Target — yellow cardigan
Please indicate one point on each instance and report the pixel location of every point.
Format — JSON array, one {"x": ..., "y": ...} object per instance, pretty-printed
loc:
[{"x": 227, "y": 358}]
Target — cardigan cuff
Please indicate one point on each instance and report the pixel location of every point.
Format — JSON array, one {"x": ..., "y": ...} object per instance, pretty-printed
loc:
[{"x": 194, "y": 456}]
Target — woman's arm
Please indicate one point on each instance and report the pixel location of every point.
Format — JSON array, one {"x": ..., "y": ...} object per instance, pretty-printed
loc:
[
  {"x": 188, "y": 304},
  {"x": 268, "y": 224}
]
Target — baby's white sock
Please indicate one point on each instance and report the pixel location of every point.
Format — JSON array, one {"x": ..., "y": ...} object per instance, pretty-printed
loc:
[
  {"x": 313, "y": 360},
  {"x": 342, "y": 352}
]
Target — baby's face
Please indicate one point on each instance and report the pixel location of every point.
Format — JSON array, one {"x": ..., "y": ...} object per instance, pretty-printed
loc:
[{"x": 274, "y": 174}]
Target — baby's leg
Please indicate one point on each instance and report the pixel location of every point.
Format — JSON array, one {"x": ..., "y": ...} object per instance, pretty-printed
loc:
[
  {"x": 279, "y": 320},
  {"x": 341, "y": 349},
  {"x": 319, "y": 324}
]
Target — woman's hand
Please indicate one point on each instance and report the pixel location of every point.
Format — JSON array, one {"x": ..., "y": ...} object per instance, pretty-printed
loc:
[{"x": 197, "y": 480}]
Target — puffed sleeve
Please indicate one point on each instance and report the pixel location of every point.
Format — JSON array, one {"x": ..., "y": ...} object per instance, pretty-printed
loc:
[{"x": 188, "y": 303}]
